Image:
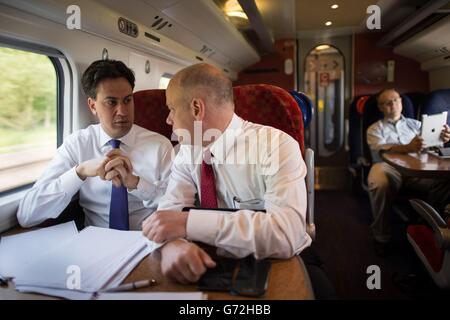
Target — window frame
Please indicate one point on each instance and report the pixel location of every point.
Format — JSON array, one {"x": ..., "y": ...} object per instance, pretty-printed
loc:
[{"x": 9, "y": 199}]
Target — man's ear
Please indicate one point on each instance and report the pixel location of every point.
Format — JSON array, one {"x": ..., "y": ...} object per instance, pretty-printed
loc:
[
  {"x": 91, "y": 104},
  {"x": 198, "y": 109}
]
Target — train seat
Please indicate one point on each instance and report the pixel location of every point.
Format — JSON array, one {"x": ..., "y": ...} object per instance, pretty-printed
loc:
[
  {"x": 437, "y": 101},
  {"x": 418, "y": 100},
  {"x": 150, "y": 111},
  {"x": 356, "y": 110},
  {"x": 372, "y": 114},
  {"x": 431, "y": 242},
  {"x": 263, "y": 104},
  {"x": 305, "y": 105},
  {"x": 273, "y": 106}
]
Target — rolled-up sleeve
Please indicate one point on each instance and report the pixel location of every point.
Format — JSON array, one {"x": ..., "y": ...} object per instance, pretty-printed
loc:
[{"x": 54, "y": 190}]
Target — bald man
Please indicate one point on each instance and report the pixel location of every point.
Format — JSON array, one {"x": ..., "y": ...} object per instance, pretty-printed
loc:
[{"x": 226, "y": 162}]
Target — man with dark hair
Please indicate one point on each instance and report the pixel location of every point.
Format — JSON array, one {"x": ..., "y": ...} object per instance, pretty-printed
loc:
[
  {"x": 399, "y": 134},
  {"x": 118, "y": 168},
  {"x": 229, "y": 163}
]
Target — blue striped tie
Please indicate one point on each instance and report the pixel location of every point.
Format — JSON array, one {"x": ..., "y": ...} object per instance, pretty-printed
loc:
[{"x": 118, "y": 212}]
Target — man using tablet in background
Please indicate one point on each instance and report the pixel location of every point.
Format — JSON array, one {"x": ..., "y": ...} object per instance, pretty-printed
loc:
[{"x": 396, "y": 133}]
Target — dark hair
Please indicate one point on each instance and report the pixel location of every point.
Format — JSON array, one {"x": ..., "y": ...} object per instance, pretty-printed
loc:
[{"x": 104, "y": 69}]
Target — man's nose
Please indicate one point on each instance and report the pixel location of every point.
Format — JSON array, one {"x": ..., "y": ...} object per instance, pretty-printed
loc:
[
  {"x": 122, "y": 109},
  {"x": 169, "y": 120}
]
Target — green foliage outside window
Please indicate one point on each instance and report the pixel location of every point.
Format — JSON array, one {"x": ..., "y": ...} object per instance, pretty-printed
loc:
[{"x": 27, "y": 99}]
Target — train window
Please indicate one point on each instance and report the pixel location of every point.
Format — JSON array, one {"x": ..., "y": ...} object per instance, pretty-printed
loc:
[
  {"x": 164, "y": 80},
  {"x": 28, "y": 116}
]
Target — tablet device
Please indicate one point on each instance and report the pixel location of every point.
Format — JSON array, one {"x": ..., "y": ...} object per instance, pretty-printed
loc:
[
  {"x": 252, "y": 278},
  {"x": 431, "y": 129},
  {"x": 219, "y": 278}
]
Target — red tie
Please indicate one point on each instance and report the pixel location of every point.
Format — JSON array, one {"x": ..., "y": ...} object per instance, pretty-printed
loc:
[{"x": 208, "y": 187}]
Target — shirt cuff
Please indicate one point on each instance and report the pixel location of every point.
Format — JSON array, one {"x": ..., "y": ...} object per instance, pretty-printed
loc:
[
  {"x": 202, "y": 225},
  {"x": 144, "y": 190},
  {"x": 71, "y": 182},
  {"x": 156, "y": 253}
]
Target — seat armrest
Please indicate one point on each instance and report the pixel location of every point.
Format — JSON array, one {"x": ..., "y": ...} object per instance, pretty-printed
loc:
[
  {"x": 434, "y": 220},
  {"x": 309, "y": 160}
]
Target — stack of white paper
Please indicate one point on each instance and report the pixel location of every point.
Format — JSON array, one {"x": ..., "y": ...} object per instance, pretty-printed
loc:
[
  {"x": 18, "y": 251},
  {"x": 93, "y": 260}
]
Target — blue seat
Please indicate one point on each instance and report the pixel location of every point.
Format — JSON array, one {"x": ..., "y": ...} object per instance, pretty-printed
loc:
[
  {"x": 418, "y": 100},
  {"x": 372, "y": 114},
  {"x": 305, "y": 106},
  {"x": 354, "y": 131},
  {"x": 437, "y": 101}
]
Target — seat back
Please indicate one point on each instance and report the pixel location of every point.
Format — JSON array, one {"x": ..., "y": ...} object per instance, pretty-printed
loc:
[
  {"x": 355, "y": 112},
  {"x": 437, "y": 101},
  {"x": 264, "y": 104},
  {"x": 305, "y": 105},
  {"x": 372, "y": 114},
  {"x": 418, "y": 100},
  {"x": 271, "y": 106},
  {"x": 150, "y": 111},
  {"x": 431, "y": 242}
]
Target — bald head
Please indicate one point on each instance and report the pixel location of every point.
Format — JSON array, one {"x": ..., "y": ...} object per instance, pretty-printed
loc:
[{"x": 204, "y": 81}]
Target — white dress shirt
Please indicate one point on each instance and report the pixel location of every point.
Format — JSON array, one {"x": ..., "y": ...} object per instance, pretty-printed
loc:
[
  {"x": 256, "y": 167},
  {"x": 150, "y": 154},
  {"x": 384, "y": 134}
]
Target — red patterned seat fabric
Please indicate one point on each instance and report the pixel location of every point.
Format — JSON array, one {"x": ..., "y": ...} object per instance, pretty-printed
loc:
[
  {"x": 424, "y": 238},
  {"x": 271, "y": 106},
  {"x": 150, "y": 111},
  {"x": 260, "y": 103}
]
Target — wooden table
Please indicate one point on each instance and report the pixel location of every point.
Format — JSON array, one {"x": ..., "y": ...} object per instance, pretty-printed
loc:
[
  {"x": 288, "y": 280},
  {"x": 421, "y": 165}
]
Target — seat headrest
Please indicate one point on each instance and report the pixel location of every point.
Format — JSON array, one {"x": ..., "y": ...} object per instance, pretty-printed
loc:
[
  {"x": 372, "y": 114},
  {"x": 271, "y": 106},
  {"x": 361, "y": 103},
  {"x": 305, "y": 106},
  {"x": 437, "y": 102},
  {"x": 264, "y": 104},
  {"x": 150, "y": 111}
]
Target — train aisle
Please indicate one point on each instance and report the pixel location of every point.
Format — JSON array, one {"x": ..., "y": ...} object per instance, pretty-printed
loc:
[{"x": 344, "y": 244}]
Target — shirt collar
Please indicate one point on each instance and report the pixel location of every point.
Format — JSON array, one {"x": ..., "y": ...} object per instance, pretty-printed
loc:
[
  {"x": 220, "y": 147},
  {"x": 127, "y": 139},
  {"x": 402, "y": 119}
]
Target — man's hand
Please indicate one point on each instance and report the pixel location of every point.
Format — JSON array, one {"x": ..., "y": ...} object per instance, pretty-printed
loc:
[
  {"x": 119, "y": 167},
  {"x": 184, "y": 261},
  {"x": 416, "y": 145},
  {"x": 445, "y": 134},
  {"x": 165, "y": 225},
  {"x": 93, "y": 168}
]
